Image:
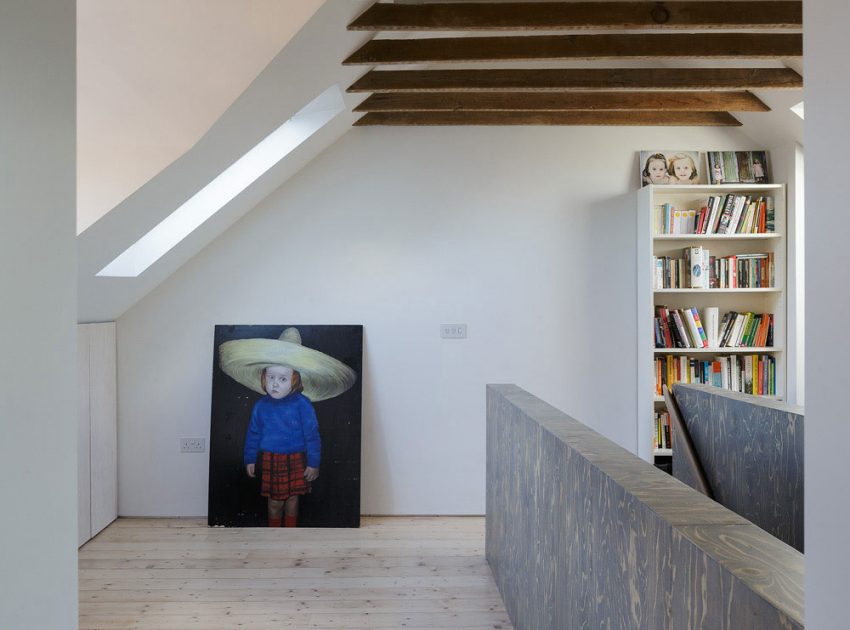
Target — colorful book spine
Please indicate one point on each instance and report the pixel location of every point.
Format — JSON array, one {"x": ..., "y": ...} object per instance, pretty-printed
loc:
[
  {"x": 752, "y": 374},
  {"x": 702, "y": 336}
]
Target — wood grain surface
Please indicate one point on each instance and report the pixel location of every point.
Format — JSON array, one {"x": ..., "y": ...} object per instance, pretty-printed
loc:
[
  {"x": 447, "y": 118},
  {"x": 549, "y": 47},
  {"x": 563, "y": 101},
  {"x": 393, "y": 572},
  {"x": 583, "y": 534},
  {"x": 468, "y": 16},
  {"x": 752, "y": 453},
  {"x": 758, "y": 580},
  {"x": 560, "y": 79}
]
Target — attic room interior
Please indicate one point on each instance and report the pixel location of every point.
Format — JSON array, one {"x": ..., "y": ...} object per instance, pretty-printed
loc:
[{"x": 336, "y": 314}]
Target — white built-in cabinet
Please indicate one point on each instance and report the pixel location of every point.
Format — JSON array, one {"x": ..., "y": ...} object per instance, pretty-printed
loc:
[{"x": 97, "y": 419}]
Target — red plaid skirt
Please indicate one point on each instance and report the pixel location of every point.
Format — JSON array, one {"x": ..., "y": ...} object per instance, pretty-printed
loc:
[{"x": 282, "y": 476}]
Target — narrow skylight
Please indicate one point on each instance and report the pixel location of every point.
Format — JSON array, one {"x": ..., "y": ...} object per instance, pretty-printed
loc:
[
  {"x": 221, "y": 190},
  {"x": 798, "y": 109}
]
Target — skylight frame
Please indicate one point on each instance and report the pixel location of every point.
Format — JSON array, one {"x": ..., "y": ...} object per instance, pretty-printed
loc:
[{"x": 226, "y": 186}]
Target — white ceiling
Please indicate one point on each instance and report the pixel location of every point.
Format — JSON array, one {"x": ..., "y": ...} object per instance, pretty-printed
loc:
[{"x": 154, "y": 75}]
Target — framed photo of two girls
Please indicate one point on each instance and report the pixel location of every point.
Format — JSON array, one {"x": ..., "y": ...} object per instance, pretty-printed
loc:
[{"x": 665, "y": 167}]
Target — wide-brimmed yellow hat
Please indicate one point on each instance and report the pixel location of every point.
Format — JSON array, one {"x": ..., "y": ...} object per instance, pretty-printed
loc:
[{"x": 323, "y": 376}]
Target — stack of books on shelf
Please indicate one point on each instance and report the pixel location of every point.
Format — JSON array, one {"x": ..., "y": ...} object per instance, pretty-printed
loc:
[
  {"x": 662, "y": 438},
  {"x": 685, "y": 328},
  {"x": 751, "y": 374},
  {"x": 698, "y": 269},
  {"x": 732, "y": 214}
]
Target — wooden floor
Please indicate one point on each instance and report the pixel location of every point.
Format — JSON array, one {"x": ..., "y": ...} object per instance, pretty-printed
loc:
[{"x": 393, "y": 572}]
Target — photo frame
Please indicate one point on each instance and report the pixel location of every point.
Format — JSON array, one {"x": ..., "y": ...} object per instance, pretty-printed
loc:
[
  {"x": 672, "y": 167},
  {"x": 738, "y": 167}
]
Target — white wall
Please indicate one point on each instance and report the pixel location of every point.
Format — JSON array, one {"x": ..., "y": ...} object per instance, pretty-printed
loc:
[
  {"x": 827, "y": 49},
  {"x": 509, "y": 230},
  {"x": 38, "y": 463}
]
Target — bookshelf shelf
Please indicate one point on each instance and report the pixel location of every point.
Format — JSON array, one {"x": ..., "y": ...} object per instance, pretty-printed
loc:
[
  {"x": 684, "y": 363},
  {"x": 758, "y": 290},
  {"x": 711, "y": 189},
  {"x": 716, "y": 237},
  {"x": 660, "y": 399},
  {"x": 721, "y": 350}
]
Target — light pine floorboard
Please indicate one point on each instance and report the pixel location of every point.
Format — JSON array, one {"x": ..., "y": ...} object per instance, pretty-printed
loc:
[{"x": 393, "y": 572}]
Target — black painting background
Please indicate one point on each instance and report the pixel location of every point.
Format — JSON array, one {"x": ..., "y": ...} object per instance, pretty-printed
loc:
[{"x": 234, "y": 498}]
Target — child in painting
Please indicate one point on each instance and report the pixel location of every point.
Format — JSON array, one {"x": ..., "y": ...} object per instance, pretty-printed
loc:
[
  {"x": 283, "y": 437},
  {"x": 681, "y": 169},
  {"x": 758, "y": 171},
  {"x": 282, "y": 442},
  {"x": 655, "y": 170},
  {"x": 716, "y": 174}
]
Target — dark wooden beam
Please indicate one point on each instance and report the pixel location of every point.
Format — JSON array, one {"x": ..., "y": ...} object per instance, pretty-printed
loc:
[
  {"x": 519, "y": 16},
  {"x": 558, "y": 80},
  {"x": 550, "y": 118},
  {"x": 546, "y": 47},
  {"x": 563, "y": 101}
]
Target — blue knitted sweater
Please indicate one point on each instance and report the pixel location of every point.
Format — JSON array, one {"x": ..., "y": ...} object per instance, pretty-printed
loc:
[{"x": 286, "y": 425}]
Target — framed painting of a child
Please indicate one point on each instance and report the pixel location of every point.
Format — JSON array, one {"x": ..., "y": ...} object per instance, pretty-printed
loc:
[{"x": 285, "y": 426}]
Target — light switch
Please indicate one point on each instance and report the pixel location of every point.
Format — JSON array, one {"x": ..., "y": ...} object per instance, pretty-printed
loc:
[{"x": 453, "y": 331}]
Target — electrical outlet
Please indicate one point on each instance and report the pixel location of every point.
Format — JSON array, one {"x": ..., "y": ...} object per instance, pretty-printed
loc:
[
  {"x": 453, "y": 331},
  {"x": 193, "y": 445}
]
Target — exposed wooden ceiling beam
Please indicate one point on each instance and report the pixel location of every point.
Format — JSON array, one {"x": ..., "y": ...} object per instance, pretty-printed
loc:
[
  {"x": 557, "y": 80},
  {"x": 564, "y": 101},
  {"x": 550, "y": 118},
  {"x": 579, "y": 15},
  {"x": 547, "y": 47}
]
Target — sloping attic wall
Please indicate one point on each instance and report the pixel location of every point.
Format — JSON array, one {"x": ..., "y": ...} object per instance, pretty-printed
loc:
[
  {"x": 305, "y": 68},
  {"x": 525, "y": 234},
  {"x": 140, "y": 103}
]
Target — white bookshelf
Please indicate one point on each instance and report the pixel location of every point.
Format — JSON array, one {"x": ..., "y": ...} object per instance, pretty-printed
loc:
[{"x": 762, "y": 300}]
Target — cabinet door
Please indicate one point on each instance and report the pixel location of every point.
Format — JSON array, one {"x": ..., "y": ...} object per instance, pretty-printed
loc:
[
  {"x": 104, "y": 426},
  {"x": 83, "y": 438}
]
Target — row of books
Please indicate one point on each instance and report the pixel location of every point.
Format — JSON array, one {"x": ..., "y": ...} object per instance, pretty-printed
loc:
[
  {"x": 685, "y": 328},
  {"x": 732, "y": 214},
  {"x": 663, "y": 431},
  {"x": 750, "y": 374},
  {"x": 698, "y": 269}
]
